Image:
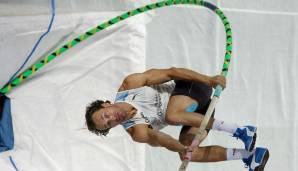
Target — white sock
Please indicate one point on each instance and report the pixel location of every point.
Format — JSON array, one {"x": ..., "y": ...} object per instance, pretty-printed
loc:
[
  {"x": 237, "y": 154},
  {"x": 224, "y": 126}
]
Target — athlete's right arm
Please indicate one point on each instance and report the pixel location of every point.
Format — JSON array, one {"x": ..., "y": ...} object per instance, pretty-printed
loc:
[
  {"x": 159, "y": 76},
  {"x": 143, "y": 134}
]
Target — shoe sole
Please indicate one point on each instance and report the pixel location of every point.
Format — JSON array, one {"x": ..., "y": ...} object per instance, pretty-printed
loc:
[
  {"x": 252, "y": 145},
  {"x": 264, "y": 161}
]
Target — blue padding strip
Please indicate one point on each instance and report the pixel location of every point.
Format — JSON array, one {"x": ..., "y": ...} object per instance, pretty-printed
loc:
[
  {"x": 13, "y": 163},
  {"x": 6, "y": 129},
  {"x": 218, "y": 91},
  {"x": 37, "y": 43},
  {"x": 192, "y": 107}
]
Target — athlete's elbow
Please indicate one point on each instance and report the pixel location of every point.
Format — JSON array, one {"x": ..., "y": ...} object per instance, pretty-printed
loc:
[
  {"x": 141, "y": 139},
  {"x": 172, "y": 72},
  {"x": 175, "y": 73}
]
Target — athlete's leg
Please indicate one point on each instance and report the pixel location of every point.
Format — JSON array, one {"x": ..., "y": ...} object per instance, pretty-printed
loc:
[
  {"x": 201, "y": 154},
  {"x": 217, "y": 153},
  {"x": 177, "y": 115}
]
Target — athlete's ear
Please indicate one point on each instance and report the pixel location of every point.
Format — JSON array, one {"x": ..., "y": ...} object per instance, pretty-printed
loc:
[{"x": 106, "y": 104}]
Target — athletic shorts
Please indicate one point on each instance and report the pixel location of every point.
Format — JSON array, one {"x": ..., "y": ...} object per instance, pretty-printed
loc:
[{"x": 197, "y": 91}]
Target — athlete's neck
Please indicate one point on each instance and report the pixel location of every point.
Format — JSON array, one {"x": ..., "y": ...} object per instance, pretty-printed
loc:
[{"x": 128, "y": 109}]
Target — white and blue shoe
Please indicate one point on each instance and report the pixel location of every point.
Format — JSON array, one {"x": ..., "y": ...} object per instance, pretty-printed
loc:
[
  {"x": 257, "y": 160},
  {"x": 248, "y": 134}
]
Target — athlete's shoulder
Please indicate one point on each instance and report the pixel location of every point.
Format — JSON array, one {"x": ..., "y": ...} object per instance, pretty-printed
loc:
[
  {"x": 138, "y": 132},
  {"x": 133, "y": 81}
]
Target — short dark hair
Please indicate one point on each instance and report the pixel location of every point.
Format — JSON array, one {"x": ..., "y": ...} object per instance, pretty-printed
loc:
[{"x": 90, "y": 110}]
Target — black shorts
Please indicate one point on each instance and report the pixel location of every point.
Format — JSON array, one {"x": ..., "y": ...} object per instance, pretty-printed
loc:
[{"x": 195, "y": 90}]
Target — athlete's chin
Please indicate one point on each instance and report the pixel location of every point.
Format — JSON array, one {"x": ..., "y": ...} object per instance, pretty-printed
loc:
[{"x": 123, "y": 116}]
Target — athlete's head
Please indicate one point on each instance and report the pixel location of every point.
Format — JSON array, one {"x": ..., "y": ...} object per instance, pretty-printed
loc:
[{"x": 101, "y": 116}]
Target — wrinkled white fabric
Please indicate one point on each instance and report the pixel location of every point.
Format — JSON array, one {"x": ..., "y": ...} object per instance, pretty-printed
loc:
[{"x": 48, "y": 110}]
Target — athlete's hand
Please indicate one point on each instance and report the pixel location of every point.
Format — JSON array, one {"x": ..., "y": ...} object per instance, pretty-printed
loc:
[{"x": 218, "y": 80}]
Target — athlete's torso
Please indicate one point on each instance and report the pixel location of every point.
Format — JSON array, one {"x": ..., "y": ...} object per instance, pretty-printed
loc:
[{"x": 150, "y": 102}]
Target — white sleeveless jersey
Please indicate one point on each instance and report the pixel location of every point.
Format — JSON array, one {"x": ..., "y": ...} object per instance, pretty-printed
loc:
[{"x": 151, "y": 104}]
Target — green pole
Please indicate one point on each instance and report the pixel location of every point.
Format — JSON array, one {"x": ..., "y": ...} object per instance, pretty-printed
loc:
[{"x": 35, "y": 67}]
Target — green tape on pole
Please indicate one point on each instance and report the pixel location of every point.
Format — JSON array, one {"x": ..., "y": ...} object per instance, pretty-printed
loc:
[
  {"x": 39, "y": 65},
  {"x": 228, "y": 56},
  {"x": 17, "y": 81},
  {"x": 27, "y": 73}
]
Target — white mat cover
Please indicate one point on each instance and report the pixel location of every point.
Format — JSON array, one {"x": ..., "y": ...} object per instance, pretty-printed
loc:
[{"x": 48, "y": 109}]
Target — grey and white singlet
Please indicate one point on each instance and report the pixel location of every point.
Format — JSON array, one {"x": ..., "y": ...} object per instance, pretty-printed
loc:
[{"x": 150, "y": 102}]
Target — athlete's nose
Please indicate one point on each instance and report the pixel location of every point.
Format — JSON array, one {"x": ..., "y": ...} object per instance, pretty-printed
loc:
[{"x": 110, "y": 116}]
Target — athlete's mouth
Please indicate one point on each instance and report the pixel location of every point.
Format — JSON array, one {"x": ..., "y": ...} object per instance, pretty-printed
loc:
[{"x": 118, "y": 117}]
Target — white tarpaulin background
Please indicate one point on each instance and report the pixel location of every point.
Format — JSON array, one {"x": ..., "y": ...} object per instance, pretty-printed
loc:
[{"x": 48, "y": 109}]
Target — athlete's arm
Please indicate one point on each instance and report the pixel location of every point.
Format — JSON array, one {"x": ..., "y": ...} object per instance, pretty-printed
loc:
[
  {"x": 143, "y": 134},
  {"x": 159, "y": 76}
]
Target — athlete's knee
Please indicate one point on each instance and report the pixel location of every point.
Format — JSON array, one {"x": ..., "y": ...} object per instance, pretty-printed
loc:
[{"x": 172, "y": 119}]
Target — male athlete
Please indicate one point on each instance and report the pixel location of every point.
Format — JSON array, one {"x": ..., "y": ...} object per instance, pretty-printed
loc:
[{"x": 146, "y": 102}]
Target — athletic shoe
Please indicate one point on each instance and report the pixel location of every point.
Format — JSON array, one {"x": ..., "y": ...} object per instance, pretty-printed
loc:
[
  {"x": 257, "y": 160},
  {"x": 248, "y": 134}
]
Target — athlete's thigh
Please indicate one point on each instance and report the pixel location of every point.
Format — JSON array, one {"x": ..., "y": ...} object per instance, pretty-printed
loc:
[{"x": 179, "y": 103}]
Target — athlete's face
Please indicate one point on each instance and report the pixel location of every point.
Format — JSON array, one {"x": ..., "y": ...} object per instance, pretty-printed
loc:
[{"x": 108, "y": 117}]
